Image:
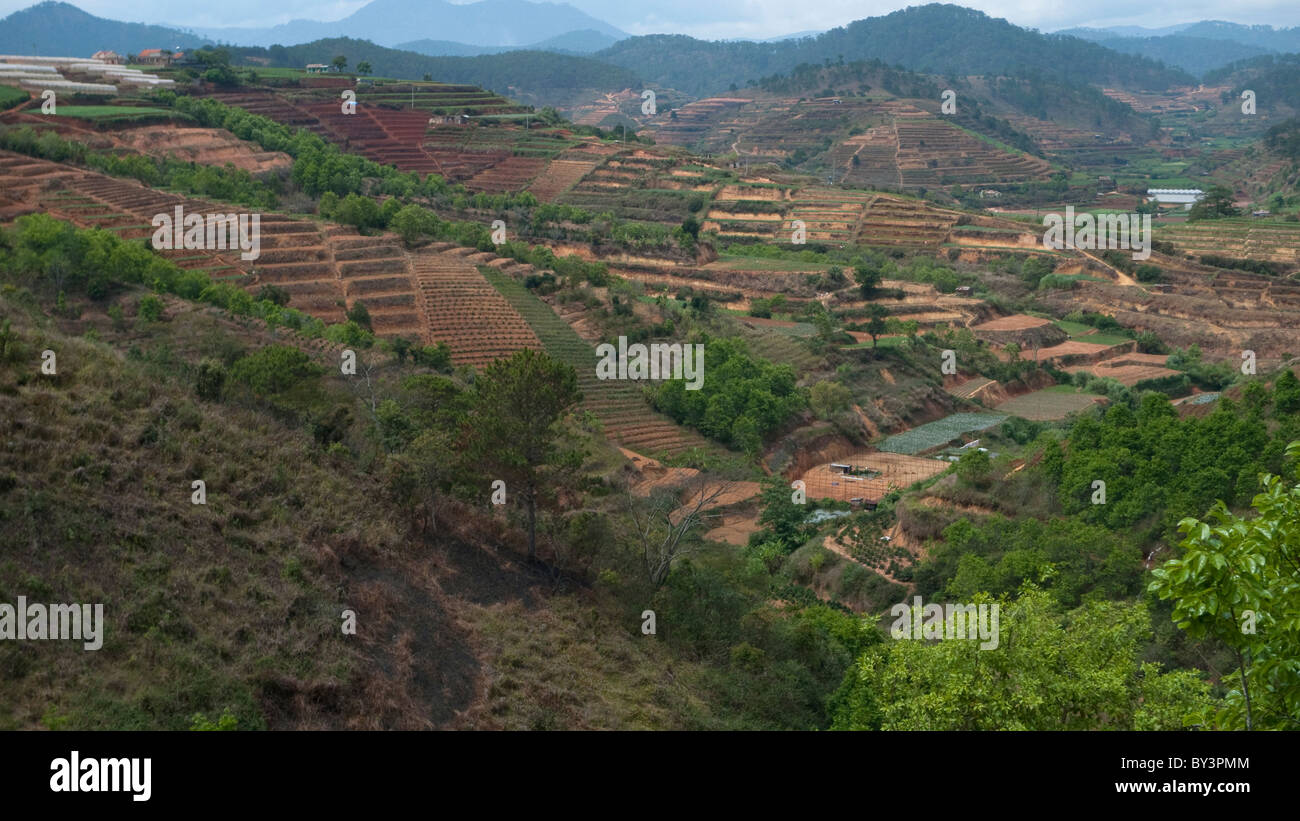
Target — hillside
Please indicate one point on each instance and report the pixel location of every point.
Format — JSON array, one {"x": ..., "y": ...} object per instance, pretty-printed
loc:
[
  {"x": 934, "y": 39},
  {"x": 603, "y": 416},
  {"x": 234, "y": 606},
  {"x": 512, "y": 23},
  {"x": 54, "y": 27},
  {"x": 1195, "y": 55},
  {"x": 573, "y": 42},
  {"x": 536, "y": 75}
]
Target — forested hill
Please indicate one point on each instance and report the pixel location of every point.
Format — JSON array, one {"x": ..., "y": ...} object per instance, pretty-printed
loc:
[
  {"x": 1275, "y": 76},
  {"x": 934, "y": 39},
  {"x": 61, "y": 28},
  {"x": 529, "y": 71},
  {"x": 1194, "y": 54}
]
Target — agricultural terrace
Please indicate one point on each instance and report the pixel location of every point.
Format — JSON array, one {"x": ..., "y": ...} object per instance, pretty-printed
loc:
[
  {"x": 1050, "y": 404},
  {"x": 873, "y": 475},
  {"x": 939, "y": 433}
]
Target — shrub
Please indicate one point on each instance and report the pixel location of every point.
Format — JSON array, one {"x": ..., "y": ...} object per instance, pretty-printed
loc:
[
  {"x": 273, "y": 293},
  {"x": 210, "y": 379},
  {"x": 150, "y": 308},
  {"x": 273, "y": 369},
  {"x": 433, "y": 356},
  {"x": 359, "y": 314}
]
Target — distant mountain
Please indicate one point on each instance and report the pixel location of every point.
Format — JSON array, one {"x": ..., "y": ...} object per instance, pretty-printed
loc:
[
  {"x": 587, "y": 41},
  {"x": 1260, "y": 39},
  {"x": 534, "y": 76},
  {"x": 63, "y": 30},
  {"x": 1265, "y": 37},
  {"x": 449, "y": 48},
  {"x": 797, "y": 35},
  {"x": 513, "y": 23},
  {"x": 1195, "y": 55},
  {"x": 935, "y": 39},
  {"x": 573, "y": 42},
  {"x": 1122, "y": 31}
]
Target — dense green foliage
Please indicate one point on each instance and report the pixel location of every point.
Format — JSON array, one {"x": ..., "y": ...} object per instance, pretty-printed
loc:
[
  {"x": 741, "y": 400},
  {"x": 50, "y": 253},
  {"x": 1076, "y": 669},
  {"x": 1070, "y": 558},
  {"x": 1235, "y": 579},
  {"x": 229, "y": 184}
]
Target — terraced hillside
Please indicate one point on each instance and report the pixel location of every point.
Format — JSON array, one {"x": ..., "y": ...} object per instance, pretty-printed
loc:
[
  {"x": 1223, "y": 312},
  {"x": 1272, "y": 240},
  {"x": 641, "y": 185},
  {"x": 935, "y": 152},
  {"x": 695, "y": 120},
  {"x": 831, "y": 213},
  {"x": 460, "y": 308},
  {"x": 620, "y": 406},
  {"x": 898, "y": 222},
  {"x": 438, "y": 99},
  {"x": 560, "y": 176},
  {"x": 462, "y": 133},
  {"x": 387, "y": 136},
  {"x": 430, "y": 295}
]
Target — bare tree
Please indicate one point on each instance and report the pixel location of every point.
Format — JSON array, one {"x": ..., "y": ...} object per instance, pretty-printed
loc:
[{"x": 664, "y": 524}]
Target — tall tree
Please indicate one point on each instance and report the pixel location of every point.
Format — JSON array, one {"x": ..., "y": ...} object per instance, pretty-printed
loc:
[
  {"x": 868, "y": 278},
  {"x": 1217, "y": 202},
  {"x": 517, "y": 437},
  {"x": 876, "y": 315},
  {"x": 1238, "y": 580}
]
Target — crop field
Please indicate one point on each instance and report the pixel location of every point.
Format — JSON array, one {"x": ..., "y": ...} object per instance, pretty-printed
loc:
[
  {"x": 971, "y": 387},
  {"x": 559, "y": 177},
  {"x": 116, "y": 112},
  {"x": 1014, "y": 322},
  {"x": 459, "y": 307},
  {"x": 940, "y": 432},
  {"x": 10, "y": 97},
  {"x": 622, "y": 409},
  {"x": 1248, "y": 237},
  {"x": 892, "y": 471},
  {"x": 864, "y": 341},
  {"x": 1050, "y": 404}
]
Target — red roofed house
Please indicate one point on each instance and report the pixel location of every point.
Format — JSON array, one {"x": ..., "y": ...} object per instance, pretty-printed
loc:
[{"x": 158, "y": 57}]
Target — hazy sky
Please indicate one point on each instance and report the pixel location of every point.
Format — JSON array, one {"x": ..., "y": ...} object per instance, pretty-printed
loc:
[{"x": 726, "y": 18}]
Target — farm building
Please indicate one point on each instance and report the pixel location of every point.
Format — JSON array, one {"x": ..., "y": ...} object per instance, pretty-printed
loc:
[
  {"x": 110, "y": 57},
  {"x": 1176, "y": 196},
  {"x": 317, "y": 68},
  {"x": 159, "y": 57}
]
